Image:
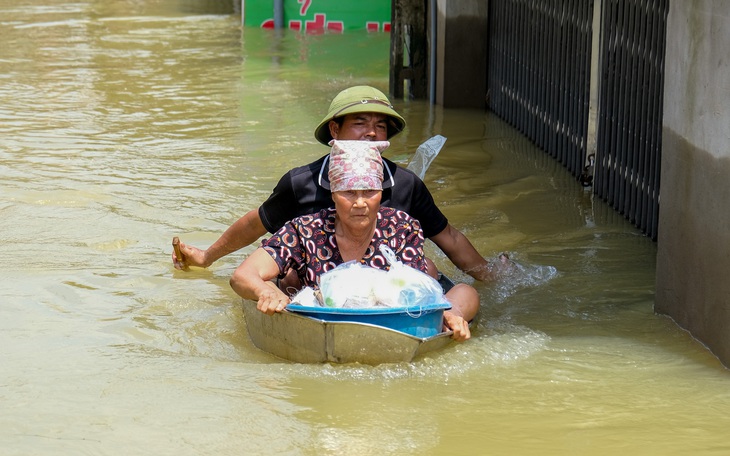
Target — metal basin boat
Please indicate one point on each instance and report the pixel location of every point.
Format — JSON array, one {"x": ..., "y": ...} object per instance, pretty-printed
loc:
[{"x": 304, "y": 339}]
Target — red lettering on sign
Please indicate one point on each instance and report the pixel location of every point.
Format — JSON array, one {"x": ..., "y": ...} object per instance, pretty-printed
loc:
[
  {"x": 305, "y": 6},
  {"x": 336, "y": 26},
  {"x": 317, "y": 23}
]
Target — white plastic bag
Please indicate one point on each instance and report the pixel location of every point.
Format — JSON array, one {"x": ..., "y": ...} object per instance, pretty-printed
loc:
[
  {"x": 307, "y": 297},
  {"x": 425, "y": 154},
  {"x": 354, "y": 285},
  {"x": 350, "y": 285},
  {"x": 416, "y": 288}
]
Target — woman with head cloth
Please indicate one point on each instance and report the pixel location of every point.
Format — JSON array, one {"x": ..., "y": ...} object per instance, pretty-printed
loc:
[{"x": 351, "y": 231}]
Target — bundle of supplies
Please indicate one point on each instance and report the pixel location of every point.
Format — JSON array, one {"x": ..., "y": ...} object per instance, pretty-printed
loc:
[{"x": 354, "y": 285}]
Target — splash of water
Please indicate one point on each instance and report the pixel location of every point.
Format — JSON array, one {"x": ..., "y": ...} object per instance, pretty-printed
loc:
[
  {"x": 497, "y": 347},
  {"x": 516, "y": 276}
]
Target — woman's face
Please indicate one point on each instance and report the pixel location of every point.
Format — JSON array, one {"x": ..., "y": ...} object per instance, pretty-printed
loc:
[{"x": 357, "y": 208}]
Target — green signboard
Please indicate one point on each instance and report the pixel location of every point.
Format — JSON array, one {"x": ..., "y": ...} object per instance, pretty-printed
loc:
[{"x": 319, "y": 16}]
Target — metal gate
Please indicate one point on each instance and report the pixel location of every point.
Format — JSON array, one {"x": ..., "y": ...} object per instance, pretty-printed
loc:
[
  {"x": 630, "y": 109},
  {"x": 539, "y": 81}
]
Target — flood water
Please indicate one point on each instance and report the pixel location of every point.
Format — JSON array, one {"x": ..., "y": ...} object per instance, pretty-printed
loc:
[{"x": 126, "y": 123}]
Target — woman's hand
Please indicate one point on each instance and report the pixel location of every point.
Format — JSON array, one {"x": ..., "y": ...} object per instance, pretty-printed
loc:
[
  {"x": 457, "y": 324},
  {"x": 272, "y": 300}
]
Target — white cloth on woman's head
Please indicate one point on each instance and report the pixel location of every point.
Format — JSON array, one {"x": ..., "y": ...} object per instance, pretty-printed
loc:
[{"x": 356, "y": 165}]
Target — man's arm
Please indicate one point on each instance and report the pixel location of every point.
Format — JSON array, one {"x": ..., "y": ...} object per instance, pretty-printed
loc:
[
  {"x": 243, "y": 232},
  {"x": 462, "y": 253}
]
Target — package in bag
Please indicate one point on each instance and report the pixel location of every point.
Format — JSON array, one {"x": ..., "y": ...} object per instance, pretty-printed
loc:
[
  {"x": 351, "y": 285},
  {"x": 354, "y": 285},
  {"x": 415, "y": 288},
  {"x": 308, "y": 297}
]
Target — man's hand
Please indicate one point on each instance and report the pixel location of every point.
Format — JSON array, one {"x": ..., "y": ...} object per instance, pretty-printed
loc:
[
  {"x": 242, "y": 233},
  {"x": 191, "y": 256}
]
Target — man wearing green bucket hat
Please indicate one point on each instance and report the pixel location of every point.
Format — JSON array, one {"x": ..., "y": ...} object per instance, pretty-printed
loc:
[
  {"x": 359, "y": 100},
  {"x": 357, "y": 113}
]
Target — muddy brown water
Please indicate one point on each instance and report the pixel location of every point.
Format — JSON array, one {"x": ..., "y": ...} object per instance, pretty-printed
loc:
[{"x": 127, "y": 123}]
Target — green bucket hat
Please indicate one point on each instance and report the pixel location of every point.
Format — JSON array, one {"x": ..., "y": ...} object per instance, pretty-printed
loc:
[{"x": 359, "y": 99}]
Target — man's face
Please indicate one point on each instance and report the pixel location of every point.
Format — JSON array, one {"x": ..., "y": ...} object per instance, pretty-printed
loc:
[{"x": 367, "y": 126}]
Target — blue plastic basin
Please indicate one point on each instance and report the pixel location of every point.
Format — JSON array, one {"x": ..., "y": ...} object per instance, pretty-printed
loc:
[{"x": 420, "y": 321}]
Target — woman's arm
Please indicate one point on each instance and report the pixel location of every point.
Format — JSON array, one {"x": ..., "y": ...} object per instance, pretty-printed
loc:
[{"x": 252, "y": 280}]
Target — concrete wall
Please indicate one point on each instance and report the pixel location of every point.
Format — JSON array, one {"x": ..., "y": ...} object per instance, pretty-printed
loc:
[
  {"x": 693, "y": 256},
  {"x": 461, "y": 49}
]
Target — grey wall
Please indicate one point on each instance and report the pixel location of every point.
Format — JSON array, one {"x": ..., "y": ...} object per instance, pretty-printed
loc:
[
  {"x": 693, "y": 256},
  {"x": 461, "y": 49}
]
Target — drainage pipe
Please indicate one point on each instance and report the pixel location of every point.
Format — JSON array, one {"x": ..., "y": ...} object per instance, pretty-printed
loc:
[
  {"x": 278, "y": 14},
  {"x": 432, "y": 56}
]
